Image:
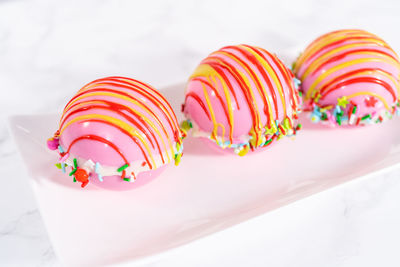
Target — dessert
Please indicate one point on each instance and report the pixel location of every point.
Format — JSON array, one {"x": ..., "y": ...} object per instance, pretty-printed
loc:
[
  {"x": 242, "y": 98},
  {"x": 114, "y": 131},
  {"x": 349, "y": 77}
]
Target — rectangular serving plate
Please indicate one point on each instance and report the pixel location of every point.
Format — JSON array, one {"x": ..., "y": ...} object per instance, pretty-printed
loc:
[{"x": 206, "y": 194}]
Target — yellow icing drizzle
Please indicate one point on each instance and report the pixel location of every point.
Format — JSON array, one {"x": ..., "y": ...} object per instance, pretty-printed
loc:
[
  {"x": 313, "y": 88},
  {"x": 319, "y": 44},
  {"x": 371, "y": 94},
  {"x": 215, "y": 123},
  {"x": 272, "y": 74},
  {"x": 320, "y": 60},
  {"x": 131, "y": 130},
  {"x": 152, "y": 125},
  {"x": 255, "y": 77},
  {"x": 139, "y": 88},
  {"x": 227, "y": 98},
  {"x": 395, "y": 82}
]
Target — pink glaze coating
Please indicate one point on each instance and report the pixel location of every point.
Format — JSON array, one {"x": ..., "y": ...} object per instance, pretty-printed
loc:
[
  {"x": 242, "y": 96},
  {"x": 350, "y": 73},
  {"x": 124, "y": 126}
]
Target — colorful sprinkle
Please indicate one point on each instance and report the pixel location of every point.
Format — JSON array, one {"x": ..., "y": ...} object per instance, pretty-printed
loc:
[
  {"x": 355, "y": 63},
  {"x": 343, "y": 101},
  {"x": 236, "y": 77},
  {"x": 186, "y": 125},
  {"x": 268, "y": 142},
  {"x": 72, "y": 172},
  {"x": 96, "y": 167},
  {"x": 368, "y": 116},
  {"x": 97, "y": 171},
  {"x": 370, "y": 101},
  {"x": 339, "y": 120},
  {"x": 64, "y": 158},
  {"x": 245, "y": 149},
  {"x": 315, "y": 118},
  {"x": 123, "y": 167}
]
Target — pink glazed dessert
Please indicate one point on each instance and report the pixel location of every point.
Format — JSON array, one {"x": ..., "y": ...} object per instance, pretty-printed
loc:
[
  {"x": 242, "y": 98},
  {"x": 116, "y": 133},
  {"x": 349, "y": 77}
]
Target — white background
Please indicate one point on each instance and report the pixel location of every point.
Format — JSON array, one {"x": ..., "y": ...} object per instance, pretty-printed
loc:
[{"x": 48, "y": 49}]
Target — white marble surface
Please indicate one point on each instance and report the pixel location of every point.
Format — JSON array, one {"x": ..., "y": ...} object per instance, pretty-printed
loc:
[{"x": 48, "y": 49}]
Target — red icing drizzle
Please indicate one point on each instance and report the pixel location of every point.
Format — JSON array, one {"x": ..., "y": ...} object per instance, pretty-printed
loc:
[
  {"x": 99, "y": 139},
  {"x": 351, "y": 73},
  {"x": 198, "y": 100},
  {"x": 347, "y": 53},
  {"x": 361, "y": 80},
  {"x": 254, "y": 61}
]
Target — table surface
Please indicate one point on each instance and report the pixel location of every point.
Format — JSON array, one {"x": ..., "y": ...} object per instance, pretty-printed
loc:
[{"x": 49, "y": 49}]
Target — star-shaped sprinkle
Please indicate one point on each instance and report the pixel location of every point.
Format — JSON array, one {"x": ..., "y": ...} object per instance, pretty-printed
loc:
[
  {"x": 371, "y": 101},
  {"x": 343, "y": 101},
  {"x": 271, "y": 131},
  {"x": 317, "y": 111}
]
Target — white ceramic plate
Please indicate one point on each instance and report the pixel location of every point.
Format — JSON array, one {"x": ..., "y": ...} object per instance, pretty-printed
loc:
[{"x": 208, "y": 192}]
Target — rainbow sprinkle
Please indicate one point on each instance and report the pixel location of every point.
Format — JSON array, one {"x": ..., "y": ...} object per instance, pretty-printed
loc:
[
  {"x": 337, "y": 116},
  {"x": 73, "y": 172},
  {"x": 96, "y": 170},
  {"x": 123, "y": 167}
]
